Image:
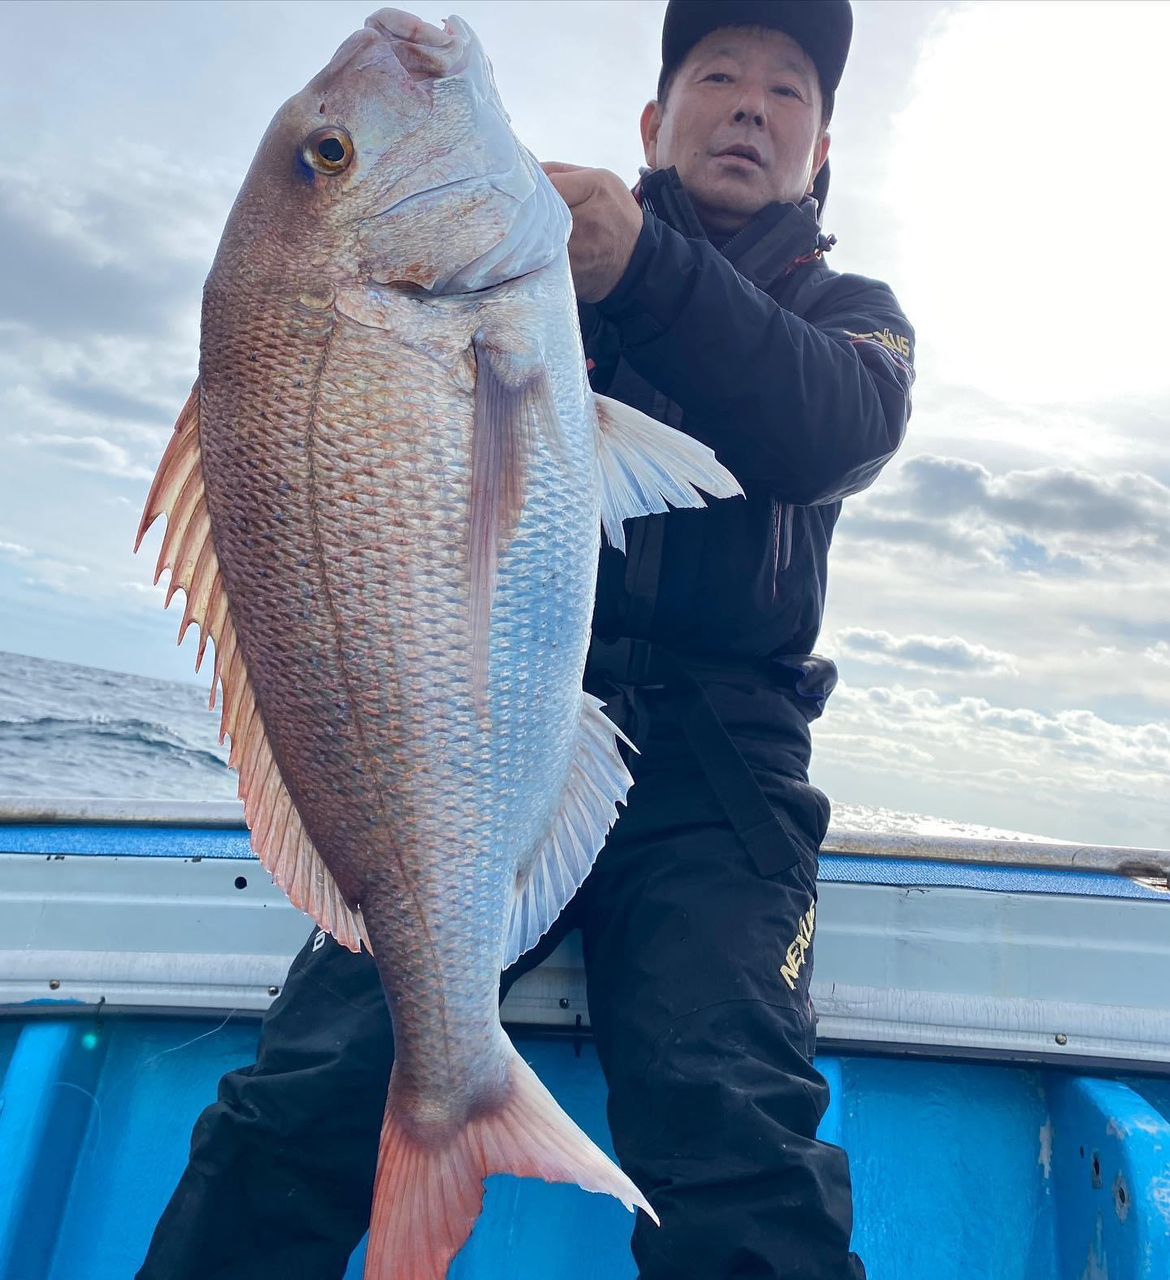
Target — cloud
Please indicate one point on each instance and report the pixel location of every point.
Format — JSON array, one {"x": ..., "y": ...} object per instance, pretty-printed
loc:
[
  {"x": 89, "y": 453},
  {"x": 928, "y": 653},
  {"x": 52, "y": 285},
  {"x": 1079, "y": 775},
  {"x": 1159, "y": 653},
  {"x": 119, "y": 245},
  {"x": 872, "y": 750},
  {"x": 63, "y": 577},
  {"x": 1047, "y": 500},
  {"x": 101, "y": 588},
  {"x": 1045, "y": 520},
  {"x": 876, "y": 525},
  {"x": 14, "y": 550},
  {"x": 1100, "y": 438},
  {"x": 1101, "y": 753},
  {"x": 132, "y": 384},
  {"x": 86, "y": 394}
]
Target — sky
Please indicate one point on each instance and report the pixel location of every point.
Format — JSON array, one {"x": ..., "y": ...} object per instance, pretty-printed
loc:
[{"x": 999, "y": 600}]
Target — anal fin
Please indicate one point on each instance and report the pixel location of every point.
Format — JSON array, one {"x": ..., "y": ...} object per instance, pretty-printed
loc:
[
  {"x": 598, "y": 782},
  {"x": 647, "y": 466}
]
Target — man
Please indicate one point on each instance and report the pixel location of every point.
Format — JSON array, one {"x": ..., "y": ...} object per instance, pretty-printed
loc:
[{"x": 704, "y": 301}]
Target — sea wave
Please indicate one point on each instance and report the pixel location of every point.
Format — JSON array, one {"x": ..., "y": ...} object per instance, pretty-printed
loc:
[
  {"x": 143, "y": 732},
  {"x": 77, "y": 731}
]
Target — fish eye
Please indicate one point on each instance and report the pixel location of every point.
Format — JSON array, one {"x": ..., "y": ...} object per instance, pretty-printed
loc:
[{"x": 328, "y": 150}]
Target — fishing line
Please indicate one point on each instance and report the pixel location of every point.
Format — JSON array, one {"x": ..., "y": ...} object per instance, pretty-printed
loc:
[
  {"x": 97, "y": 1106},
  {"x": 188, "y": 1043}
]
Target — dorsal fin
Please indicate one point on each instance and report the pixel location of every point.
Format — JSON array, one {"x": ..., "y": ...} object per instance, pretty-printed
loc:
[{"x": 278, "y": 835}]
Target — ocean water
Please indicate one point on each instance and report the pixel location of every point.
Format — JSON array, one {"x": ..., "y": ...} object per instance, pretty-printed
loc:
[{"x": 71, "y": 733}]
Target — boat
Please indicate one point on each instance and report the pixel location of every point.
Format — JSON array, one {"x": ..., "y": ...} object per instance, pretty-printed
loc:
[{"x": 993, "y": 1021}]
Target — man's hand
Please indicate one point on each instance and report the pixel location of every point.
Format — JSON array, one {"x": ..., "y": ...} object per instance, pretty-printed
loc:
[{"x": 606, "y": 224}]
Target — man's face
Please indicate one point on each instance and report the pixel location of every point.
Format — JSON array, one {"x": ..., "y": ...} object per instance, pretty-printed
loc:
[{"x": 741, "y": 124}]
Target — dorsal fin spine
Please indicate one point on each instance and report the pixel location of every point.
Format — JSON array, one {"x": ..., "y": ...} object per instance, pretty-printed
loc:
[
  {"x": 225, "y": 642},
  {"x": 197, "y": 532},
  {"x": 179, "y": 521},
  {"x": 202, "y": 585},
  {"x": 262, "y": 797},
  {"x": 239, "y": 759},
  {"x": 182, "y": 448},
  {"x": 213, "y": 625}
]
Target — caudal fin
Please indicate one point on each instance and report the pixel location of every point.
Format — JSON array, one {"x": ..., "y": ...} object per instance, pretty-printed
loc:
[{"x": 427, "y": 1198}]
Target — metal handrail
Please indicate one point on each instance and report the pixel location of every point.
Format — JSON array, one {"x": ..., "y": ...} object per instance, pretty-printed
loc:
[{"x": 1149, "y": 864}]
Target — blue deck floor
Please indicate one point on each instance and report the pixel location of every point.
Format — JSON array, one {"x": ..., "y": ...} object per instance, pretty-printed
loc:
[{"x": 980, "y": 1171}]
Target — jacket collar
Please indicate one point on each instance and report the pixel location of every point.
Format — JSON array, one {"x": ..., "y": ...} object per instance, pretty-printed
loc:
[{"x": 779, "y": 238}]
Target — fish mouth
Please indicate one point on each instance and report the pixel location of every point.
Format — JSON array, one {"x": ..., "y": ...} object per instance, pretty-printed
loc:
[
  {"x": 425, "y": 52},
  {"x": 743, "y": 150}
]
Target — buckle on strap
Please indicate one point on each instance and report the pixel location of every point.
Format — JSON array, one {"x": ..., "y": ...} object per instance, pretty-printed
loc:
[{"x": 624, "y": 661}]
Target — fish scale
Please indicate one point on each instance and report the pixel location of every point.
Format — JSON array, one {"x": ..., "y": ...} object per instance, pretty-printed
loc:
[{"x": 410, "y": 623}]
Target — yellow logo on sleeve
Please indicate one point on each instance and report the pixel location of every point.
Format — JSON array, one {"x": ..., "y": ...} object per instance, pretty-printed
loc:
[{"x": 898, "y": 343}]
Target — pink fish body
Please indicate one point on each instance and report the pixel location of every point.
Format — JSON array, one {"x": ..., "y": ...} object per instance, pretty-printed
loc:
[{"x": 384, "y": 503}]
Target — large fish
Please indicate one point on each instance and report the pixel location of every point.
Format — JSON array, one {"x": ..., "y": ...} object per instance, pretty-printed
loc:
[{"x": 384, "y": 500}]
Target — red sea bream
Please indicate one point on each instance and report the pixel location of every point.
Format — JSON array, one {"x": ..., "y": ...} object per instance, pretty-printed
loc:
[{"x": 384, "y": 502}]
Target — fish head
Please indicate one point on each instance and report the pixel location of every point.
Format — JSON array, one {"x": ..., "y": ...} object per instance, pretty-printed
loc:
[{"x": 397, "y": 163}]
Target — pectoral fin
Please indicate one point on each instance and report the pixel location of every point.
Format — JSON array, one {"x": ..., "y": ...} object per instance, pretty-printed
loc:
[
  {"x": 647, "y": 466},
  {"x": 513, "y": 400}
]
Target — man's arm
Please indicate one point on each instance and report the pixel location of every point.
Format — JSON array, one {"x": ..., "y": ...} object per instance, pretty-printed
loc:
[{"x": 810, "y": 411}]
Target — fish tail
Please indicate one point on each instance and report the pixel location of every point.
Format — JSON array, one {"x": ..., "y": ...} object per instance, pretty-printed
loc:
[{"x": 427, "y": 1197}]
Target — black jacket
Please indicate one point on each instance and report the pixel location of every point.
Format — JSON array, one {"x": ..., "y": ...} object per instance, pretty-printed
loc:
[{"x": 798, "y": 377}]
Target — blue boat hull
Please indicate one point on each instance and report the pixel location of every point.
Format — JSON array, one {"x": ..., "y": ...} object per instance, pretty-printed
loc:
[
  {"x": 985, "y": 1171},
  {"x": 996, "y": 1039}
]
